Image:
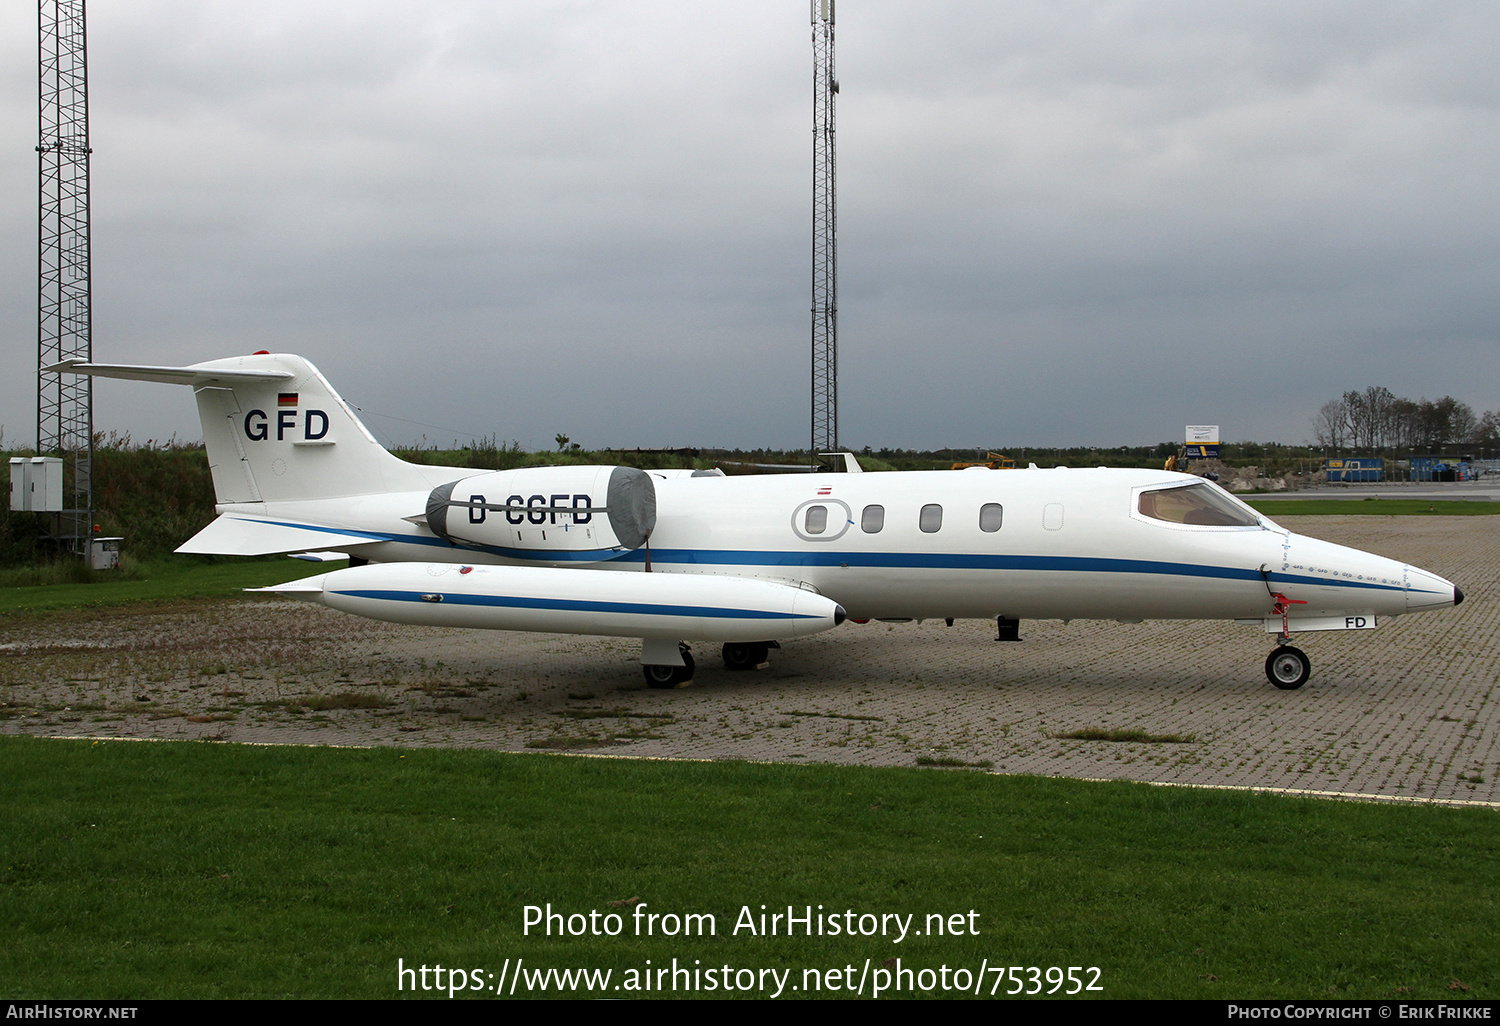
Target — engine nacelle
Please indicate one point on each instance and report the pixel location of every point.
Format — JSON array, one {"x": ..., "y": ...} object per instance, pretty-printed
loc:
[{"x": 547, "y": 509}]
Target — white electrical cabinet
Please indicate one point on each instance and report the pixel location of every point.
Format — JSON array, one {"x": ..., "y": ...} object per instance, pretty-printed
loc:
[
  {"x": 36, "y": 484},
  {"x": 104, "y": 553}
]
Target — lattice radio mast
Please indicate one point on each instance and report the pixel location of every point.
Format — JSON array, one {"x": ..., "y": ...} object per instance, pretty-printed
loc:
[
  {"x": 825, "y": 291},
  {"x": 65, "y": 418}
]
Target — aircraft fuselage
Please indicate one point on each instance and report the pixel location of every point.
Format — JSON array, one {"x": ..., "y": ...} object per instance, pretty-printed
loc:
[{"x": 1065, "y": 543}]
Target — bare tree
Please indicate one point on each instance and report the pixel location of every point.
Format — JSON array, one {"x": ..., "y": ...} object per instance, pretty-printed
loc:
[
  {"x": 1461, "y": 422},
  {"x": 1405, "y": 421},
  {"x": 1377, "y": 419},
  {"x": 1378, "y": 402},
  {"x": 1329, "y": 426},
  {"x": 1357, "y": 419},
  {"x": 1486, "y": 434}
]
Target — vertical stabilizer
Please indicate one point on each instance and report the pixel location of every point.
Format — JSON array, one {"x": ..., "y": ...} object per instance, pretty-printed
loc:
[{"x": 276, "y": 431}]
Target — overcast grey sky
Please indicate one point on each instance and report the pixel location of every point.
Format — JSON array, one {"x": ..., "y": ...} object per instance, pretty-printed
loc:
[{"x": 1061, "y": 223}]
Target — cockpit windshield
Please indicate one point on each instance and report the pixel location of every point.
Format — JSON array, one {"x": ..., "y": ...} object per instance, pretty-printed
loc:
[{"x": 1199, "y": 504}]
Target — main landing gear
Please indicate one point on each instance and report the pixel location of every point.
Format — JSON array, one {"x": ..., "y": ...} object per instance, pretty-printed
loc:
[
  {"x": 658, "y": 676},
  {"x": 747, "y": 655},
  {"x": 666, "y": 664}
]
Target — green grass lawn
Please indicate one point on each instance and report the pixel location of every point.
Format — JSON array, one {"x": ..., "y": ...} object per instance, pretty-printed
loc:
[
  {"x": 162, "y": 870},
  {"x": 1375, "y": 507},
  {"x": 165, "y": 581}
]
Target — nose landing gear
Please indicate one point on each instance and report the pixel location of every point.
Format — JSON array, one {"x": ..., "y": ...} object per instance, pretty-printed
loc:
[{"x": 1288, "y": 668}]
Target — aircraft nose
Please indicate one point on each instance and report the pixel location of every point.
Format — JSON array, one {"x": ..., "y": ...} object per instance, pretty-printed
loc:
[
  {"x": 1429, "y": 591},
  {"x": 839, "y": 616}
]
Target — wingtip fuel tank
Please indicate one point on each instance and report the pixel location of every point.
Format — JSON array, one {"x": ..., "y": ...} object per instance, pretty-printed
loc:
[{"x": 623, "y": 603}]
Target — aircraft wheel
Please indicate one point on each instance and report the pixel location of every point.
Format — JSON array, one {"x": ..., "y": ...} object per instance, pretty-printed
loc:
[
  {"x": 1288, "y": 668},
  {"x": 669, "y": 676},
  {"x": 745, "y": 655}
]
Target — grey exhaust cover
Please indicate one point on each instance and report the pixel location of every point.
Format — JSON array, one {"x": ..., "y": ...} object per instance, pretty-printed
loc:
[
  {"x": 632, "y": 506},
  {"x": 629, "y": 502}
]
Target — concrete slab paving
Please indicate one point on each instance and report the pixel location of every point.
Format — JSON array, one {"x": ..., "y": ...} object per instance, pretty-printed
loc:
[{"x": 1405, "y": 712}]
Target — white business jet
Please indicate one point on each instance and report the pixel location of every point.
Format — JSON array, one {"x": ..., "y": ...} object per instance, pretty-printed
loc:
[{"x": 677, "y": 556}]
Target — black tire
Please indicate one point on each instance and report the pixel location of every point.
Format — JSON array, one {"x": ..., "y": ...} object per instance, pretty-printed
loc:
[
  {"x": 667, "y": 677},
  {"x": 1288, "y": 668},
  {"x": 659, "y": 676},
  {"x": 744, "y": 655}
]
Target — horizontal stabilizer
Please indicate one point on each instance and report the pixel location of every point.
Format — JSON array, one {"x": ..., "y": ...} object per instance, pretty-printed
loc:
[
  {"x": 233, "y": 535},
  {"x": 195, "y": 376}
]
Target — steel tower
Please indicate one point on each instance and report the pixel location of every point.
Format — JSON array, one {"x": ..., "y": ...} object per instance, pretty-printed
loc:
[
  {"x": 64, "y": 419},
  {"x": 825, "y": 263}
]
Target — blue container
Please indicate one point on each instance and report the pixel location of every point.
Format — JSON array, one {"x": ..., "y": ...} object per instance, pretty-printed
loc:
[{"x": 1361, "y": 469}]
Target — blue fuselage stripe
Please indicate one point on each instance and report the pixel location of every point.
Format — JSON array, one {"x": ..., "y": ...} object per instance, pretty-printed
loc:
[
  {"x": 877, "y": 560},
  {"x": 985, "y": 561},
  {"x": 580, "y": 605}
]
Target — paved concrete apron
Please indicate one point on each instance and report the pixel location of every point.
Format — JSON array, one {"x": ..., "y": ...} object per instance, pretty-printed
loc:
[{"x": 1404, "y": 711}]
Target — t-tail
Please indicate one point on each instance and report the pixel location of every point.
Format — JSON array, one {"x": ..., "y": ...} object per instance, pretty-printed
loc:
[{"x": 276, "y": 432}]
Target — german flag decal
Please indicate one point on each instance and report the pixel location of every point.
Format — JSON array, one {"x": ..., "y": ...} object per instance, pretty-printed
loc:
[{"x": 286, "y": 398}]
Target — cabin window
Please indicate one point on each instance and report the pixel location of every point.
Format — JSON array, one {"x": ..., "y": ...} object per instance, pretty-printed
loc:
[
  {"x": 931, "y": 519},
  {"x": 1201, "y": 505},
  {"x": 872, "y": 519},
  {"x": 989, "y": 517},
  {"x": 822, "y": 520}
]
